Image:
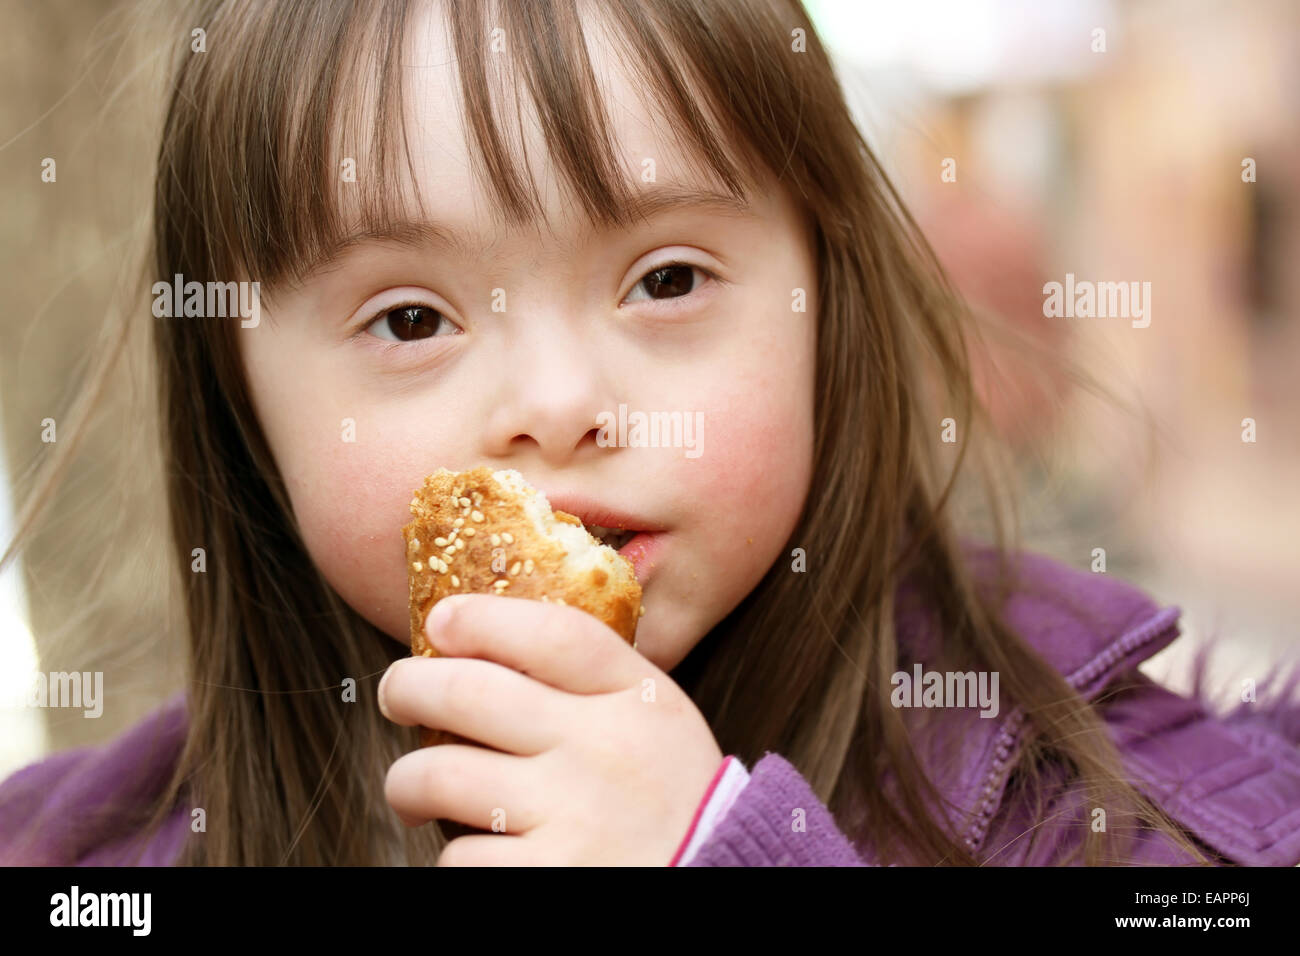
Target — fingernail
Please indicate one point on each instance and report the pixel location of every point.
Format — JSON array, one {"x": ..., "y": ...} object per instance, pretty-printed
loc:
[{"x": 380, "y": 692}]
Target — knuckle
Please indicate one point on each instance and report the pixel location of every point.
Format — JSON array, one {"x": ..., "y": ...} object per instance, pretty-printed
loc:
[
  {"x": 457, "y": 690},
  {"x": 430, "y": 777},
  {"x": 575, "y": 629},
  {"x": 447, "y": 689}
]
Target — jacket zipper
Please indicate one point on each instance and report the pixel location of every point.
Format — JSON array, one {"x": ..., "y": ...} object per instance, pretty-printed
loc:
[{"x": 995, "y": 779}]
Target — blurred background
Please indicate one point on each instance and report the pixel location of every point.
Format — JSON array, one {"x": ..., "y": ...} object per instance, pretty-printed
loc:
[{"x": 1142, "y": 141}]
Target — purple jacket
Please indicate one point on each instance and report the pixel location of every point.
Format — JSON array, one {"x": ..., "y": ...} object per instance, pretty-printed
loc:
[{"x": 1232, "y": 781}]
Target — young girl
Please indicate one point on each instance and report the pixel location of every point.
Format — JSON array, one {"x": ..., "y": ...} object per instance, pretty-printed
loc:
[{"x": 664, "y": 206}]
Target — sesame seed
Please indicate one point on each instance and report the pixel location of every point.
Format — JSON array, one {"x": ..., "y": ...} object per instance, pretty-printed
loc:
[
  {"x": 477, "y": 515},
  {"x": 501, "y": 584},
  {"x": 507, "y": 537},
  {"x": 559, "y": 600},
  {"x": 478, "y": 498},
  {"x": 440, "y": 542},
  {"x": 496, "y": 540},
  {"x": 415, "y": 544},
  {"x": 528, "y": 566},
  {"x": 458, "y": 522},
  {"x": 460, "y": 544},
  {"x": 455, "y": 581},
  {"x": 449, "y": 550},
  {"x": 452, "y": 536},
  {"x": 470, "y": 532},
  {"x": 515, "y": 568},
  {"x": 464, "y": 502},
  {"x": 417, "y": 566}
]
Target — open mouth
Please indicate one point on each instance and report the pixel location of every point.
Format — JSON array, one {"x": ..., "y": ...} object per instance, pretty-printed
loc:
[{"x": 613, "y": 537}]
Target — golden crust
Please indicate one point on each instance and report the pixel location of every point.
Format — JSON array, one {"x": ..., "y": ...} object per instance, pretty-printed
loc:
[{"x": 487, "y": 536}]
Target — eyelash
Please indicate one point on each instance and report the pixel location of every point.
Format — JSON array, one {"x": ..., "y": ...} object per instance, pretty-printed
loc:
[{"x": 415, "y": 304}]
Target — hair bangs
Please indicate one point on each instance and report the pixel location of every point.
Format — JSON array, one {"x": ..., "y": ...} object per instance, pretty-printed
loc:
[{"x": 305, "y": 142}]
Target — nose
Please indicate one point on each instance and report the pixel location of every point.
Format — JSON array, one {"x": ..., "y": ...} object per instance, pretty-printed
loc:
[{"x": 551, "y": 392}]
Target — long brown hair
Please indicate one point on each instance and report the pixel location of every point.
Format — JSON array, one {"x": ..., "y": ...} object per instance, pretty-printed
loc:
[{"x": 247, "y": 186}]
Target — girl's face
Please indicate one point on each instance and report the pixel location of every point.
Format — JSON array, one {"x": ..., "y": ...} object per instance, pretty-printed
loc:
[{"x": 502, "y": 348}]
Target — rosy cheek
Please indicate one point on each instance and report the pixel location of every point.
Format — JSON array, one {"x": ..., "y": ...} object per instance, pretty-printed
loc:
[
  {"x": 754, "y": 469},
  {"x": 351, "y": 505}
]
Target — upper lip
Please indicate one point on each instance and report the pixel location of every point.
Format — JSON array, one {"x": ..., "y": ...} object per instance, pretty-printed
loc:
[{"x": 591, "y": 512}]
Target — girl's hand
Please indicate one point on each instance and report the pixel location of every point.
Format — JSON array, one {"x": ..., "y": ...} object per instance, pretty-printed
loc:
[{"x": 599, "y": 757}]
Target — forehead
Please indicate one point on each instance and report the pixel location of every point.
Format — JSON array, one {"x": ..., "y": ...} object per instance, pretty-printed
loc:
[{"x": 449, "y": 183}]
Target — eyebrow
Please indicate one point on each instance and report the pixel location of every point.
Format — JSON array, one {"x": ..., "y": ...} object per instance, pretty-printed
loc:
[{"x": 644, "y": 204}]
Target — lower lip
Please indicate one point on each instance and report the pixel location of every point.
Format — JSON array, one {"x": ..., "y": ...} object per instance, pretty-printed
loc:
[{"x": 643, "y": 551}]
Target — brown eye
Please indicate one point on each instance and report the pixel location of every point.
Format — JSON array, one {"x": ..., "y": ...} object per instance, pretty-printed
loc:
[
  {"x": 669, "y": 282},
  {"x": 408, "y": 323},
  {"x": 674, "y": 280}
]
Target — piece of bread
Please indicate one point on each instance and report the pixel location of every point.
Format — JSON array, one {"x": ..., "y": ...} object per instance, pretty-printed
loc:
[{"x": 490, "y": 532}]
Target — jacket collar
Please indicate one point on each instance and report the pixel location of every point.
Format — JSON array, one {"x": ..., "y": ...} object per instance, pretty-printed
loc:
[{"x": 1089, "y": 627}]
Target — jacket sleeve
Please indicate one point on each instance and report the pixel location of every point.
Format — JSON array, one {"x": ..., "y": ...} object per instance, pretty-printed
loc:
[
  {"x": 81, "y": 807},
  {"x": 1230, "y": 783},
  {"x": 1231, "y": 780},
  {"x": 776, "y": 820}
]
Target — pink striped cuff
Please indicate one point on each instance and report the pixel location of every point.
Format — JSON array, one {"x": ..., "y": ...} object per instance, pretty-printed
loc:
[{"x": 726, "y": 786}]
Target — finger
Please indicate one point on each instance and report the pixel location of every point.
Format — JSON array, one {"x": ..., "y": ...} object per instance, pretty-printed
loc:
[
  {"x": 470, "y": 785},
  {"x": 495, "y": 849},
  {"x": 559, "y": 645},
  {"x": 477, "y": 699}
]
